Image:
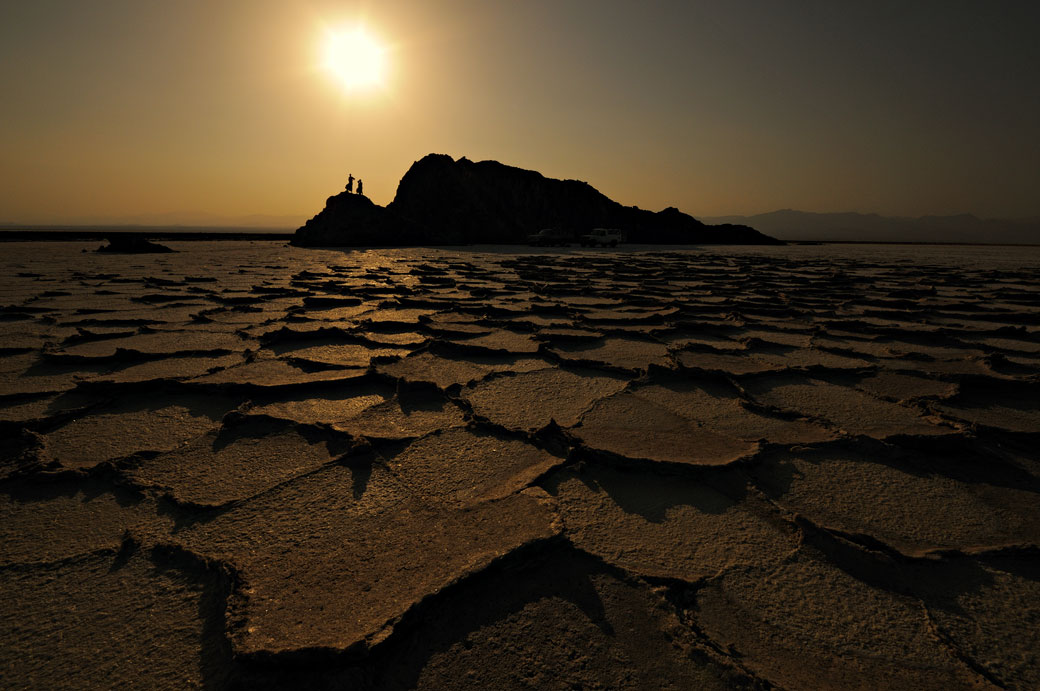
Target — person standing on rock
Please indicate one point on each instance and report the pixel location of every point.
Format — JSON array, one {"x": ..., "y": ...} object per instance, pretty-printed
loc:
[
  {"x": 360, "y": 186},
  {"x": 350, "y": 183}
]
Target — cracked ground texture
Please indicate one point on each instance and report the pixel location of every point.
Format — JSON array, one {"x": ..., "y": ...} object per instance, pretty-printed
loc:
[{"x": 245, "y": 465}]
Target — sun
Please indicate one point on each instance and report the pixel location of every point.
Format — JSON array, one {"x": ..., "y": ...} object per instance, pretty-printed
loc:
[{"x": 355, "y": 58}]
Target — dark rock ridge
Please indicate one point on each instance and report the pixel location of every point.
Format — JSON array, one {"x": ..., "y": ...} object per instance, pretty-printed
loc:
[
  {"x": 789, "y": 224},
  {"x": 443, "y": 201}
]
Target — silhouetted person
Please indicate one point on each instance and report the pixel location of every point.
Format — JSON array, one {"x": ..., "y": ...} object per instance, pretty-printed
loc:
[
  {"x": 350, "y": 183},
  {"x": 360, "y": 186}
]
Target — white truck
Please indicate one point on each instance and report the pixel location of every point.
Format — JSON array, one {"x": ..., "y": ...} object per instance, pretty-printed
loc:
[{"x": 602, "y": 237}]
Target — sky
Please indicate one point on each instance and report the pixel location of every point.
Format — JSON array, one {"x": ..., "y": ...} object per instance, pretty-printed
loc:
[{"x": 149, "y": 110}]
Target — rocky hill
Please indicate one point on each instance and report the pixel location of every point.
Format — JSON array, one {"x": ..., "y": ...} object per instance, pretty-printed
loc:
[
  {"x": 789, "y": 224},
  {"x": 444, "y": 201}
]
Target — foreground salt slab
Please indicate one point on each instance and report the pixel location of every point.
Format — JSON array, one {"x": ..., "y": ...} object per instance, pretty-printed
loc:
[
  {"x": 128, "y": 619},
  {"x": 793, "y": 621},
  {"x": 135, "y": 424},
  {"x": 668, "y": 526},
  {"x": 333, "y": 559},
  {"x": 924, "y": 509},
  {"x": 531, "y": 400}
]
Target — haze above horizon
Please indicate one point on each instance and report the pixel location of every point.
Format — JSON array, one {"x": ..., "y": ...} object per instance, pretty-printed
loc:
[{"x": 116, "y": 108}]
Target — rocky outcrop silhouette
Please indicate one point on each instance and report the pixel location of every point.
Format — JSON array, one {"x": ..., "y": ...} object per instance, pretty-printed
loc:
[
  {"x": 355, "y": 220},
  {"x": 444, "y": 201},
  {"x": 126, "y": 243},
  {"x": 855, "y": 227}
]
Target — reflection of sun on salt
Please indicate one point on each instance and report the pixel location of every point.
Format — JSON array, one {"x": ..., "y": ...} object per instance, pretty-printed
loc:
[{"x": 355, "y": 58}]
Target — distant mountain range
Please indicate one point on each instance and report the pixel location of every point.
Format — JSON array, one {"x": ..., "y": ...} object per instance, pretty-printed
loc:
[{"x": 788, "y": 224}]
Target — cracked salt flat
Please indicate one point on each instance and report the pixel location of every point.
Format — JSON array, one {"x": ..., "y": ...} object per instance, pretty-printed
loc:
[{"x": 483, "y": 467}]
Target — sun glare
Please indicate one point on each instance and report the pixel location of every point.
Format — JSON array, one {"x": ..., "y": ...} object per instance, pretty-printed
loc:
[{"x": 355, "y": 58}]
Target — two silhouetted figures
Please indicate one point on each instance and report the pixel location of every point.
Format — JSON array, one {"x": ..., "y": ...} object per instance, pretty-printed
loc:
[{"x": 350, "y": 184}]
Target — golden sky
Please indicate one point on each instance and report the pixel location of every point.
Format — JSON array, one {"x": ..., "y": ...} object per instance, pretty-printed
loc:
[{"x": 134, "y": 110}]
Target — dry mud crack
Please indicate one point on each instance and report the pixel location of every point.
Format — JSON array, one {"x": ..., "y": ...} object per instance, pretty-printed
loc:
[{"x": 250, "y": 466}]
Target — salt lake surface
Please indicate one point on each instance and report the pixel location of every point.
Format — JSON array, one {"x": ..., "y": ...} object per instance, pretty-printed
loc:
[{"x": 484, "y": 467}]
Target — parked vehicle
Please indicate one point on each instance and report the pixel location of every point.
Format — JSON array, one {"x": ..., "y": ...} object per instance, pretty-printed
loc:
[
  {"x": 602, "y": 237},
  {"x": 550, "y": 237}
]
